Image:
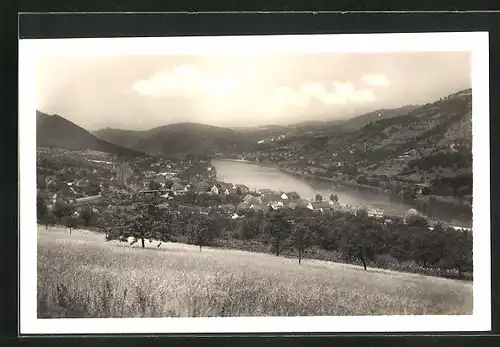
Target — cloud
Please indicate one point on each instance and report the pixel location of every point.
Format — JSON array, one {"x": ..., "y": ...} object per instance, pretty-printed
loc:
[
  {"x": 337, "y": 93},
  {"x": 376, "y": 80},
  {"x": 184, "y": 81}
]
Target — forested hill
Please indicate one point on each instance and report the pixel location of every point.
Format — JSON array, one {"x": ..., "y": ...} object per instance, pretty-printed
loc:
[
  {"x": 370, "y": 139},
  {"x": 57, "y": 132},
  {"x": 179, "y": 138},
  {"x": 358, "y": 122}
]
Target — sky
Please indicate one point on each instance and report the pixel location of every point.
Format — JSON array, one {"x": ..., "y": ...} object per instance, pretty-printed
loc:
[{"x": 144, "y": 91}]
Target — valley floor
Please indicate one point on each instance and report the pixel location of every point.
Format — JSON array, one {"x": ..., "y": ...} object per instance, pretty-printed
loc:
[{"x": 81, "y": 275}]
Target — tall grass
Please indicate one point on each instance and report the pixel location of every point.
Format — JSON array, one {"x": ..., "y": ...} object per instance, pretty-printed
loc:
[{"x": 80, "y": 275}]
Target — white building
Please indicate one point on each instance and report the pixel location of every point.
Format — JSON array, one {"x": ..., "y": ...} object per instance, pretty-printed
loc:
[
  {"x": 214, "y": 190},
  {"x": 375, "y": 213}
]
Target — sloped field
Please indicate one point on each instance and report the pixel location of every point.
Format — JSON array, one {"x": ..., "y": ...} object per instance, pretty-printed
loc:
[{"x": 80, "y": 275}]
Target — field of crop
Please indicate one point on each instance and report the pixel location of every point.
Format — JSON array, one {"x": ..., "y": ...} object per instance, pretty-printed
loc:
[{"x": 81, "y": 275}]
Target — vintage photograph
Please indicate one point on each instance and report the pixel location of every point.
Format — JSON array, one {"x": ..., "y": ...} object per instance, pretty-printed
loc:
[{"x": 274, "y": 183}]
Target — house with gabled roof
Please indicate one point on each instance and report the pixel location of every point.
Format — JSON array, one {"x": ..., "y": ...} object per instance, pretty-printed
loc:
[
  {"x": 276, "y": 205},
  {"x": 375, "y": 213},
  {"x": 214, "y": 190},
  {"x": 320, "y": 205},
  {"x": 269, "y": 197}
]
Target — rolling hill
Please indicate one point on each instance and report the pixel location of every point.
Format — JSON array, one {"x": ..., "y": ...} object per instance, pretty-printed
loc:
[
  {"x": 57, "y": 132},
  {"x": 429, "y": 144},
  {"x": 179, "y": 138},
  {"x": 382, "y": 134},
  {"x": 360, "y": 121}
]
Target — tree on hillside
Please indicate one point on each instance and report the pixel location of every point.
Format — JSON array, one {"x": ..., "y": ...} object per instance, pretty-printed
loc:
[
  {"x": 301, "y": 238},
  {"x": 399, "y": 242},
  {"x": 142, "y": 225},
  {"x": 458, "y": 251},
  {"x": 112, "y": 222},
  {"x": 358, "y": 241},
  {"x": 86, "y": 215},
  {"x": 422, "y": 247},
  {"x": 361, "y": 214},
  {"x": 278, "y": 228},
  {"x": 203, "y": 229},
  {"x": 41, "y": 210},
  {"x": 334, "y": 198},
  {"x": 93, "y": 189},
  {"x": 163, "y": 228},
  {"x": 233, "y": 199},
  {"x": 362, "y": 180},
  {"x": 71, "y": 222},
  {"x": 49, "y": 220},
  {"x": 247, "y": 228},
  {"x": 355, "y": 244},
  {"x": 62, "y": 209},
  {"x": 138, "y": 226}
]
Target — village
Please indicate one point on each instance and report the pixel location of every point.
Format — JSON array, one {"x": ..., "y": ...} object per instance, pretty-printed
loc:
[{"x": 91, "y": 180}]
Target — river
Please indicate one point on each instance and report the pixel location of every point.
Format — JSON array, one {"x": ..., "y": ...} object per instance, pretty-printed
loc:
[{"x": 261, "y": 177}]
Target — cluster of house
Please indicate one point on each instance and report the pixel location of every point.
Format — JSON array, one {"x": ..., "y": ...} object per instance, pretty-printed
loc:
[
  {"x": 178, "y": 187},
  {"x": 77, "y": 188},
  {"x": 266, "y": 199}
]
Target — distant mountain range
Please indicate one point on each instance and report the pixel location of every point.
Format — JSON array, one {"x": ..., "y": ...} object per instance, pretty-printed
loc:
[
  {"x": 377, "y": 127},
  {"x": 179, "y": 138},
  {"x": 57, "y": 132},
  {"x": 182, "y": 138}
]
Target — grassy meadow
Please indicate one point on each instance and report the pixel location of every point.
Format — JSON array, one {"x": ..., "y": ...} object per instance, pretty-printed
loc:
[{"x": 81, "y": 275}]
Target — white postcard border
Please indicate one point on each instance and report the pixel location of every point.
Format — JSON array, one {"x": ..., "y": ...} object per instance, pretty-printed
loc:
[{"x": 476, "y": 42}]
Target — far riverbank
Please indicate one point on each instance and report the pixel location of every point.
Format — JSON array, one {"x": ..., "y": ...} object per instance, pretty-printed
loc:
[{"x": 257, "y": 175}]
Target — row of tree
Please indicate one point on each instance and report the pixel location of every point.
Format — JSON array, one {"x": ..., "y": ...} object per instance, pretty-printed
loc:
[
  {"x": 357, "y": 238},
  {"x": 361, "y": 238}
]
